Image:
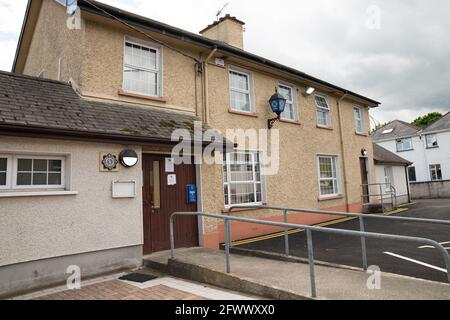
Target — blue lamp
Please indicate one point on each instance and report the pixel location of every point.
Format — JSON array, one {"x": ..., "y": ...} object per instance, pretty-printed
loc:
[{"x": 277, "y": 103}]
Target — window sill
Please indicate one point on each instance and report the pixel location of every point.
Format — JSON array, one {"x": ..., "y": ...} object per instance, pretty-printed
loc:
[
  {"x": 296, "y": 122},
  {"x": 327, "y": 198},
  {"x": 141, "y": 96},
  {"x": 324, "y": 127},
  {"x": 405, "y": 150},
  {"x": 21, "y": 194},
  {"x": 225, "y": 210},
  {"x": 248, "y": 114},
  {"x": 428, "y": 148},
  {"x": 361, "y": 134}
]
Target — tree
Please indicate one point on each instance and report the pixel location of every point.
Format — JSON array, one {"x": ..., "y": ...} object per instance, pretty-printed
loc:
[{"x": 425, "y": 121}]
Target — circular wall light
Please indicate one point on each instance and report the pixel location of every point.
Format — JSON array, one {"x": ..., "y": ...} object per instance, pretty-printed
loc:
[{"x": 128, "y": 158}]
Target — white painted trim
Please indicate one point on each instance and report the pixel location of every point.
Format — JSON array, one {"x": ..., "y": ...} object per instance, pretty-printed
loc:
[
  {"x": 8, "y": 171},
  {"x": 330, "y": 118},
  {"x": 294, "y": 93},
  {"x": 19, "y": 194},
  {"x": 251, "y": 91},
  {"x": 360, "y": 109},
  {"x": 338, "y": 179},
  {"x": 159, "y": 65}
]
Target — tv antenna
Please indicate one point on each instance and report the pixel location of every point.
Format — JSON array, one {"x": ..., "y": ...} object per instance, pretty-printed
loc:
[{"x": 221, "y": 10}]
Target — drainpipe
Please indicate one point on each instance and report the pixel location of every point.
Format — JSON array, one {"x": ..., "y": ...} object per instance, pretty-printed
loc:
[
  {"x": 407, "y": 183},
  {"x": 205, "y": 86},
  {"x": 344, "y": 169}
]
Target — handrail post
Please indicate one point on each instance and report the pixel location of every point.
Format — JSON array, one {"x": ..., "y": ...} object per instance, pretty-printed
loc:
[
  {"x": 227, "y": 244},
  {"x": 363, "y": 243},
  {"x": 172, "y": 239},
  {"x": 286, "y": 234},
  {"x": 312, "y": 275}
]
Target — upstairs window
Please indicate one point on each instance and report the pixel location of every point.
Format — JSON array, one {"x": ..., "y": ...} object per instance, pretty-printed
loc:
[
  {"x": 431, "y": 140},
  {"x": 359, "y": 124},
  {"x": 240, "y": 91},
  {"x": 242, "y": 176},
  {"x": 290, "y": 112},
  {"x": 435, "y": 172},
  {"x": 328, "y": 175},
  {"x": 142, "y": 69},
  {"x": 323, "y": 111},
  {"x": 404, "y": 145}
]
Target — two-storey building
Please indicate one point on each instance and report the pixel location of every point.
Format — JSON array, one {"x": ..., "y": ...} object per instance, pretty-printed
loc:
[
  {"x": 95, "y": 91},
  {"x": 428, "y": 149}
]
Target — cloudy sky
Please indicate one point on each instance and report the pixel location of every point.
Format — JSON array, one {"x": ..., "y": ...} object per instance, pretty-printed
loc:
[{"x": 394, "y": 51}]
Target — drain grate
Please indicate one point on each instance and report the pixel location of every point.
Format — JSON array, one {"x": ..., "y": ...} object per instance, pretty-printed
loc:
[{"x": 138, "y": 277}]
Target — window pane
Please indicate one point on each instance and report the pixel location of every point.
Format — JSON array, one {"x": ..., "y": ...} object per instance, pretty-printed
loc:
[
  {"x": 3, "y": 164},
  {"x": 326, "y": 168},
  {"x": 39, "y": 179},
  {"x": 322, "y": 102},
  {"x": 54, "y": 179},
  {"x": 289, "y": 112},
  {"x": 239, "y": 81},
  {"x": 285, "y": 92},
  {"x": 327, "y": 187},
  {"x": 412, "y": 174},
  {"x": 24, "y": 164},
  {"x": 55, "y": 165},
  {"x": 24, "y": 179},
  {"x": 322, "y": 117},
  {"x": 40, "y": 165},
  {"x": 2, "y": 178},
  {"x": 240, "y": 101}
]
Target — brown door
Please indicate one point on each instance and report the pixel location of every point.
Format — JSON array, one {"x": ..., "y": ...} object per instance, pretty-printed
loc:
[
  {"x": 364, "y": 180},
  {"x": 161, "y": 200}
]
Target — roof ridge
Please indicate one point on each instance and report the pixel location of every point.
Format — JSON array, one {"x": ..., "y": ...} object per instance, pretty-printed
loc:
[{"x": 24, "y": 76}]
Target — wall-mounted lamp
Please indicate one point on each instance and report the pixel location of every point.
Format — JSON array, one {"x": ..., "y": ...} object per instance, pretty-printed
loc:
[
  {"x": 309, "y": 91},
  {"x": 128, "y": 158},
  {"x": 364, "y": 152},
  {"x": 277, "y": 103}
]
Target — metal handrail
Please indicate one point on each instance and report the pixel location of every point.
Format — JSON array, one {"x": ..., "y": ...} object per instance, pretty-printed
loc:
[
  {"x": 361, "y": 218},
  {"x": 310, "y": 230},
  {"x": 392, "y": 193}
]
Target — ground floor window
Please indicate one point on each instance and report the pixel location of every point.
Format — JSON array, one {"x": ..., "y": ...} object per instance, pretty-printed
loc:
[
  {"x": 412, "y": 174},
  {"x": 328, "y": 175},
  {"x": 435, "y": 172},
  {"x": 31, "y": 172},
  {"x": 243, "y": 178}
]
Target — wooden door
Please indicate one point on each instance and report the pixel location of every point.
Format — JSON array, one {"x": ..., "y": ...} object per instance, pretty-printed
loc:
[
  {"x": 364, "y": 180},
  {"x": 161, "y": 200}
]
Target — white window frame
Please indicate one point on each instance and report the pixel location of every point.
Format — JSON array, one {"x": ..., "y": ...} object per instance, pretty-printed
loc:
[
  {"x": 323, "y": 109},
  {"x": 403, "y": 145},
  {"x": 14, "y": 171},
  {"x": 294, "y": 101},
  {"x": 336, "y": 160},
  {"x": 388, "y": 178},
  {"x": 426, "y": 141},
  {"x": 358, "y": 110},
  {"x": 249, "y": 76},
  {"x": 262, "y": 182},
  {"x": 158, "y": 71},
  {"x": 433, "y": 168},
  {"x": 8, "y": 171}
]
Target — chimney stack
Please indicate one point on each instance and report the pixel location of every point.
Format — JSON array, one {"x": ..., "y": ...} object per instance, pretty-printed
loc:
[{"x": 227, "y": 29}]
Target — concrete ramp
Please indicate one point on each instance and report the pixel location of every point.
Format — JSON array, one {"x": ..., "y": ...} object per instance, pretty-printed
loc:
[{"x": 290, "y": 280}]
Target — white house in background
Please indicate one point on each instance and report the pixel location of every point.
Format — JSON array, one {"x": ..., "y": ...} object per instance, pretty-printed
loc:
[
  {"x": 428, "y": 149},
  {"x": 392, "y": 169}
]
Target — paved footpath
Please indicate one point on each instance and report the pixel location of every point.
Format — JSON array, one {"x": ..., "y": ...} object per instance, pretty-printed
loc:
[{"x": 110, "y": 288}]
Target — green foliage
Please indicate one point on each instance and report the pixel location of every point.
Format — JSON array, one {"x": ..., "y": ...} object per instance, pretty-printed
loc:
[{"x": 425, "y": 121}]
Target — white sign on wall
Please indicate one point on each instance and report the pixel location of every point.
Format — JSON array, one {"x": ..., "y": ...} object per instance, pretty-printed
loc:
[
  {"x": 170, "y": 165},
  {"x": 172, "y": 179}
]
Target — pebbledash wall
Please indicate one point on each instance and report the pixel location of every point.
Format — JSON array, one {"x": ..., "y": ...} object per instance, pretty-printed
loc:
[
  {"x": 94, "y": 63},
  {"x": 84, "y": 226}
]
